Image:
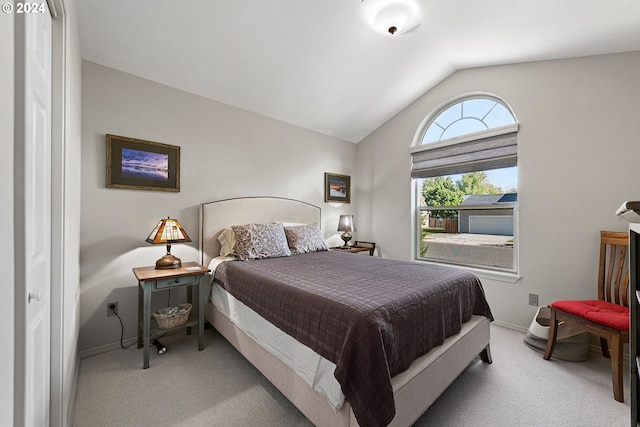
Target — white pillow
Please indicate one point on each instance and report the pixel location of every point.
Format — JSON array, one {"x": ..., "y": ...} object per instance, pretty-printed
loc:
[{"x": 227, "y": 239}]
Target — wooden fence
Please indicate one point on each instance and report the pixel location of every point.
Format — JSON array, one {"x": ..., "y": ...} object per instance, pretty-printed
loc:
[{"x": 450, "y": 225}]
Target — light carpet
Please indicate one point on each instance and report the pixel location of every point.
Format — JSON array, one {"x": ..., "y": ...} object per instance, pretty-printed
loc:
[{"x": 218, "y": 387}]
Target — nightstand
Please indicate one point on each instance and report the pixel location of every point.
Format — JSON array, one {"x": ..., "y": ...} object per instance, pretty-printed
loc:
[
  {"x": 358, "y": 246},
  {"x": 151, "y": 280}
]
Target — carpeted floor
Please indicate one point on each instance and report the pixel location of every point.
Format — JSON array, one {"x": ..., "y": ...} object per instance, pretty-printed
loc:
[{"x": 218, "y": 387}]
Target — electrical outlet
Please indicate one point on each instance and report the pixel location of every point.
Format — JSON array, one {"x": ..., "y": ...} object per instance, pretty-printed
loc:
[
  {"x": 110, "y": 307},
  {"x": 533, "y": 299}
]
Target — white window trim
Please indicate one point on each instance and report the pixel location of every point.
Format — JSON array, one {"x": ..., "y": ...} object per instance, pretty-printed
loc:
[
  {"x": 500, "y": 276},
  {"x": 510, "y": 275},
  {"x": 422, "y": 128},
  {"x": 505, "y": 275},
  {"x": 482, "y": 273}
]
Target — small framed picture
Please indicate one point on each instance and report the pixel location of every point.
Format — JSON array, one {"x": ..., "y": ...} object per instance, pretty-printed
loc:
[
  {"x": 142, "y": 165},
  {"x": 337, "y": 188}
]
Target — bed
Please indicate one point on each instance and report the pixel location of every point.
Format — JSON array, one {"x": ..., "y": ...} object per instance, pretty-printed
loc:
[{"x": 413, "y": 385}]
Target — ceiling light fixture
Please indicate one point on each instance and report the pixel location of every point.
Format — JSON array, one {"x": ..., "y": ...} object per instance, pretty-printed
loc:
[{"x": 392, "y": 17}]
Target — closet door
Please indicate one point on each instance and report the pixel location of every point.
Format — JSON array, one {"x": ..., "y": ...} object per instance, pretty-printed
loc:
[{"x": 33, "y": 215}]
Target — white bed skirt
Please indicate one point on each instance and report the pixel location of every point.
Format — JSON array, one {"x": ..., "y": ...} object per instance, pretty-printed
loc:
[
  {"x": 314, "y": 369},
  {"x": 414, "y": 389}
]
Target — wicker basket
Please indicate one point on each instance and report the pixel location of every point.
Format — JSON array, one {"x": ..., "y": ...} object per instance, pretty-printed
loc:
[{"x": 170, "y": 319}]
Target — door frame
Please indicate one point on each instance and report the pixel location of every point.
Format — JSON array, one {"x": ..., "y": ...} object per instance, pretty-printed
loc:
[
  {"x": 62, "y": 391},
  {"x": 32, "y": 192},
  {"x": 64, "y": 220}
]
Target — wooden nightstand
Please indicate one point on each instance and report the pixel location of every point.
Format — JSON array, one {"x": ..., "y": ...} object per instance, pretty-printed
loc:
[
  {"x": 151, "y": 280},
  {"x": 358, "y": 246}
]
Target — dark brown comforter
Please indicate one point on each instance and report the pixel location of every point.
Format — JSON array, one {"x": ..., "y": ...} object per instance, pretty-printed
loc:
[{"x": 370, "y": 316}]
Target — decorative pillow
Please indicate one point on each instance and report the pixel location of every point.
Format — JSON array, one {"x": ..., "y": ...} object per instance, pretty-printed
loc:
[
  {"x": 227, "y": 241},
  {"x": 258, "y": 241},
  {"x": 305, "y": 238}
]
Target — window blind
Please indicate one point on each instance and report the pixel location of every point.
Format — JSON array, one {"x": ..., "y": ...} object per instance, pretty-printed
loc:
[{"x": 492, "y": 152}]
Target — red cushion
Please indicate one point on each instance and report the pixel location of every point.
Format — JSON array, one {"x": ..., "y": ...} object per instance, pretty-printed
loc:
[{"x": 602, "y": 312}]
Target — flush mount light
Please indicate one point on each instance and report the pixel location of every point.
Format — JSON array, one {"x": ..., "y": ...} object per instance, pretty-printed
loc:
[{"x": 392, "y": 17}]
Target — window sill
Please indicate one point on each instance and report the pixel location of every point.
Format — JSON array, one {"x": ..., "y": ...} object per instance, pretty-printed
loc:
[{"x": 501, "y": 276}]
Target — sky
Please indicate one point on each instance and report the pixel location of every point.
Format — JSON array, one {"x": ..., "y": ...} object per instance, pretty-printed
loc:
[{"x": 506, "y": 178}]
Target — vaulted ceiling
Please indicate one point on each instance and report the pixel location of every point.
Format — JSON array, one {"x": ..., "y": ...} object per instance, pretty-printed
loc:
[{"x": 319, "y": 64}]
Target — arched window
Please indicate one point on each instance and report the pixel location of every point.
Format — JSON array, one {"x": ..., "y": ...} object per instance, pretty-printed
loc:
[
  {"x": 467, "y": 117},
  {"x": 465, "y": 169}
]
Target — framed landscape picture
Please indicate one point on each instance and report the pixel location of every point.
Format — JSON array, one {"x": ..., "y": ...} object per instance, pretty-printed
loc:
[
  {"x": 337, "y": 188},
  {"x": 142, "y": 165}
]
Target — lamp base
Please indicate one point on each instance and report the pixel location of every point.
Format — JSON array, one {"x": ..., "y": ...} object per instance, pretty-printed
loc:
[
  {"x": 168, "y": 261},
  {"x": 346, "y": 236}
]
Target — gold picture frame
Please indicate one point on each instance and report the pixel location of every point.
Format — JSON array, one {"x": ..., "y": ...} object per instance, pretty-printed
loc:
[{"x": 137, "y": 164}]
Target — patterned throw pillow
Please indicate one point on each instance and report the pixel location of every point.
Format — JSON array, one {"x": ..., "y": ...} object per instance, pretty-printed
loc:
[
  {"x": 305, "y": 238},
  {"x": 258, "y": 241}
]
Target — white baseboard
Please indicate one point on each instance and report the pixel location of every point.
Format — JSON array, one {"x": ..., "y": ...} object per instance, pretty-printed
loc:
[
  {"x": 510, "y": 326},
  {"x": 74, "y": 393},
  {"x": 105, "y": 348},
  {"x": 594, "y": 345}
]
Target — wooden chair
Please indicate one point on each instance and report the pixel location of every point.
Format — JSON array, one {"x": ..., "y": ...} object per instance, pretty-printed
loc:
[{"x": 608, "y": 316}]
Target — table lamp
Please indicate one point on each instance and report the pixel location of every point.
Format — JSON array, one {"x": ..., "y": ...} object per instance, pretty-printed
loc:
[
  {"x": 347, "y": 225},
  {"x": 168, "y": 231}
]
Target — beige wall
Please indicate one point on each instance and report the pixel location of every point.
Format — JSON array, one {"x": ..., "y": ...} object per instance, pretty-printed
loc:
[
  {"x": 577, "y": 148},
  {"x": 225, "y": 152},
  {"x": 578, "y": 157}
]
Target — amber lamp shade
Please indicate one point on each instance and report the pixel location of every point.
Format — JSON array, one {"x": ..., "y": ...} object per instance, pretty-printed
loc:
[{"x": 168, "y": 231}]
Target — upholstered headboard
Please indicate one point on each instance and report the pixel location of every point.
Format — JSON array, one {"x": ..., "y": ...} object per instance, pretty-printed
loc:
[{"x": 218, "y": 215}]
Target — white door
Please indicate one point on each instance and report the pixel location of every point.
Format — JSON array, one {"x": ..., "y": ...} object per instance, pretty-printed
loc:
[{"x": 37, "y": 217}]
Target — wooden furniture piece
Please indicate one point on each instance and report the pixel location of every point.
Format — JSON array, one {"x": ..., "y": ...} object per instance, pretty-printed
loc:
[
  {"x": 414, "y": 390},
  {"x": 358, "y": 246},
  {"x": 151, "y": 280},
  {"x": 634, "y": 306},
  {"x": 608, "y": 316}
]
